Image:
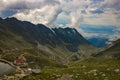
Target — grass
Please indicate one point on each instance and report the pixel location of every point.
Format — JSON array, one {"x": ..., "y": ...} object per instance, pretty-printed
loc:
[
  {"x": 82, "y": 70},
  {"x": 32, "y": 58}
]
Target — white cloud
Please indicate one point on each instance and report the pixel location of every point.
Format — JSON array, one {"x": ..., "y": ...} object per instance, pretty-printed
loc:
[
  {"x": 73, "y": 8},
  {"x": 44, "y": 15},
  {"x": 76, "y": 19},
  {"x": 76, "y": 11},
  {"x": 40, "y": 11},
  {"x": 49, "y": 15},
  {"x": 85, "y": 34}
]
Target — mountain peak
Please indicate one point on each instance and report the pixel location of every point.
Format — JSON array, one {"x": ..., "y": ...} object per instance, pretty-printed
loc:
[
  {"x": 70, "y": 38},
  {"x": 11, "y": 18}
]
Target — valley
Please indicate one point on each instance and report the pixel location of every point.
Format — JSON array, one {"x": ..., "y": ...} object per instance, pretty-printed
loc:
[{"x": 41, "y": 53}]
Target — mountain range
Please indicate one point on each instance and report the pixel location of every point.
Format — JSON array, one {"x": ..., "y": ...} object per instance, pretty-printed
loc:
[
  {"x": 98, "y": 42},
  {"x": 58, "y": 44},
  {"x": 62, "y": 53}
]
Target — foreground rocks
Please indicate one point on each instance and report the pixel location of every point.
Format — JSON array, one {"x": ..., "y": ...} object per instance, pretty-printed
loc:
[
  {"x": 66, "y": 77},
  {"x": 20, "y": 73}
]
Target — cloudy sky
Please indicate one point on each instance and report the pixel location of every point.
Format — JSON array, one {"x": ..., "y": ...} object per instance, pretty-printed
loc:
[{"x": 89, "y": 17}]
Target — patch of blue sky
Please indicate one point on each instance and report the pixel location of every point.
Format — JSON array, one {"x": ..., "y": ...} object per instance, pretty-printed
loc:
[
  {"x": 104, "y": 29},
  {"x": 62, "y": 21},
  {"x": 6, "y": 13}
]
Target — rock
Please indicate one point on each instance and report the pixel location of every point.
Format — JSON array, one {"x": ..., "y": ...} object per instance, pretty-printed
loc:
[
  {"x": 83, "y": 66},
  {"x": 95, "y": 74},
  {"x": 108, "y": 69},
  {"x": 36, "y": 71},
  {"x": 10, "y": 78},
  {"x": 117, "y": 70},
  {"x": 103, "y": 75},
  {"x": 66, "y": 77}
]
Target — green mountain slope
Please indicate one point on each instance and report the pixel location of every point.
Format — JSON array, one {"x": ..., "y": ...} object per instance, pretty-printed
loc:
[
  {"x": 59, "y": 45},
  {"x": 56, "y": 50},
  {"x": 103, "y": 66},
  {"x": 112, "y": 52}
]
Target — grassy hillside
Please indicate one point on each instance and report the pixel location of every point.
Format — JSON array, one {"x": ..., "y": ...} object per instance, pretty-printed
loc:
[
  {"x": 88, "y": 69},
  {"x": 103, "y": 66},
  {"x": 52, "y": 50},
  {"x": 112, "y": 52},
  {"x": 48, "y": 46}
]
